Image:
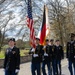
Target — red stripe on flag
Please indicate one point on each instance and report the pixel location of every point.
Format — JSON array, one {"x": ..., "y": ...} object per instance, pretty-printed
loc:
[
  {"x": 32, "y": 34},
  {"x": 43, "y": 35}
]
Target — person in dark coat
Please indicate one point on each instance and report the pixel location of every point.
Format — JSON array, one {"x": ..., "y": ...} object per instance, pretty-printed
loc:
[
  {"x": 47, "y": 58},
  {"x": 36, "y": 58},
  {"x": 12, "y": 59},
  {"x": 70, "y": 54},
  {"x": 52, "y": 46},
  {"x": 58, "y": 56}
]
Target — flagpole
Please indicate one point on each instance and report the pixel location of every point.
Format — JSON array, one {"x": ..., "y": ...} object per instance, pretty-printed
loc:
[{"x": 47, "y": 21}]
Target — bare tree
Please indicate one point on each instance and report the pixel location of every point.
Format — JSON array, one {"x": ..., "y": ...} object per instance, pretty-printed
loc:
[
  {"x": 1, "y": 1},
  {"x": 61, "y": 18}
]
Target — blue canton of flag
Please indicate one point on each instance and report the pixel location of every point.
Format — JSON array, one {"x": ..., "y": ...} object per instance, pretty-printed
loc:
[{"x": 29, "y": 9}]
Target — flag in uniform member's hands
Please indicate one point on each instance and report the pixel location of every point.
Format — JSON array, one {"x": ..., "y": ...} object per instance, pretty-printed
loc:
[
  {"x": 30, "y": 24},
  {"x": 44, "y": 30}
]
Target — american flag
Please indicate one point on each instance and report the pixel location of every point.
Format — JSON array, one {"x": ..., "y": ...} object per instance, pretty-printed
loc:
[{"x": 30, "y": 24}]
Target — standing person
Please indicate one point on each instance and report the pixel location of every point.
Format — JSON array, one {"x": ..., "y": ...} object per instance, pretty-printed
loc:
[
  {"x": 36, "y": 58},
  {"x": 71, "y": 54},
  {"x": 58, "y": 52},
  {"x": 12, "y": 59},
  {"x": 47, "y": 57},
  {"x": 52, "y": 49}
]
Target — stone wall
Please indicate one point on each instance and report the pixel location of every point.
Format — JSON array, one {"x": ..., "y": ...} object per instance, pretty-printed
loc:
[
  {"x": 24, "y": 59},
  {"x": 1, "y": 62}
]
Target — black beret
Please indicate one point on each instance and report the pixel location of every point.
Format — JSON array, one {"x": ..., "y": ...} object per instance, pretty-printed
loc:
[
  {"x": 12, "y": 39},
  {"x": 47, "y": 40},
  {"x": 37, "y": 39},
  {"x": 72, "y": 35},
  {"x": 57, "y": 40},
  {"x": 51, "y": 40}
]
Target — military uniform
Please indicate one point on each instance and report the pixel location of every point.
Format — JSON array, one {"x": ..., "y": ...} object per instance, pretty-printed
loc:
[
  {"x": 58, "y": 55},
  {"x": 47, "y": 58},
  {"x": 12, "y": 61},
  {"x": 36, "y": 59},
  {"x": 53, "y": 57},
  {"x": 71, "y": 56}
]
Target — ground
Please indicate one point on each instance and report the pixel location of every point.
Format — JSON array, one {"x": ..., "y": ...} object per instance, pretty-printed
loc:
[{"x": 26, "y": 69}]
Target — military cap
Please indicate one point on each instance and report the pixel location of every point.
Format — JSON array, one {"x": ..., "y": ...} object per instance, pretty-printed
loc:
[
  {"x": 37, "y": 39},
  {"x": 47, "y": 40},
  {"x": 72, "y": 35},
  {"x": 57, "y": 40},
  {"x": 51, "y": 40},
  {"x": 11, "y": 39}
]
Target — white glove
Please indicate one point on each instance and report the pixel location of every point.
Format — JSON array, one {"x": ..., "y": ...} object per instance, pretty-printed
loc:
[
  {"x": 33, "y": 50},
  {"x": 44, "y": 46},
  {"x": 4, "y": 70},
  {"x": 17, "y": 70},
  {"x": 74, "y": 56},
  {"x": 45, "y": 54},
  {"x": 35, "y": 55}
]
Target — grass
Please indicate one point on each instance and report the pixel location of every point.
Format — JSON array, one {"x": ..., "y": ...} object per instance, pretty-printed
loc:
[
  {"x": 22, "y": 53},
  {"x": 1, "y": 54}
]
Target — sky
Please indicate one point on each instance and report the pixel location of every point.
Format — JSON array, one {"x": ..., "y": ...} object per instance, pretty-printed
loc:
[{"x": 16, "y": 13}]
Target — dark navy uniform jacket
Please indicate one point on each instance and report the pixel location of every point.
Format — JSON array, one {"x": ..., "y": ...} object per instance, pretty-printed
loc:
[
  {"x": 48, "y": 51},
  {"x": 52, "y": 49},
  {"x": 58, "y": 52},
  {"x": 70, "y": 53},
  {"x": 39, "y": 52},
  {"x": 12, "y": 59}
]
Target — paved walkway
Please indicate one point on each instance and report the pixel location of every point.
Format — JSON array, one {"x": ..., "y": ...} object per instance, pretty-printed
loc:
[{"x": 26, "y": 69}]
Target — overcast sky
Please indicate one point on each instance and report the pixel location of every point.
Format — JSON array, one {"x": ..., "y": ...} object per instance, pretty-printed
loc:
[{"x": 16, "y": 12}]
